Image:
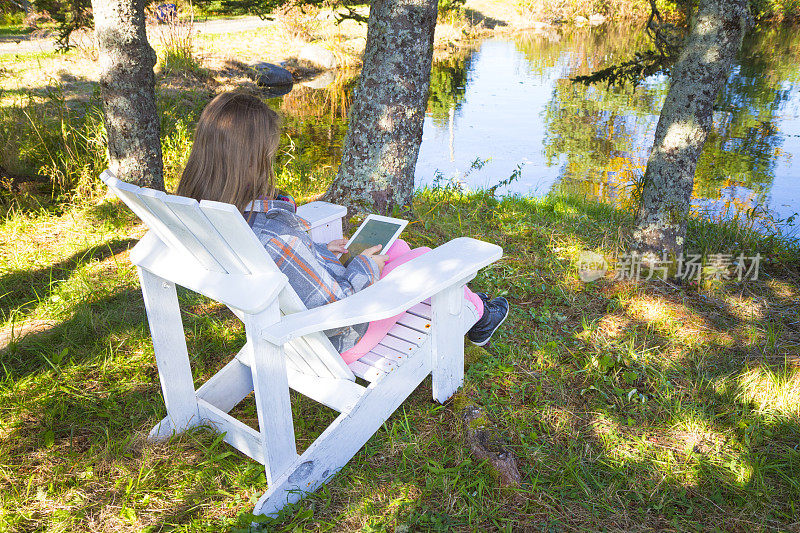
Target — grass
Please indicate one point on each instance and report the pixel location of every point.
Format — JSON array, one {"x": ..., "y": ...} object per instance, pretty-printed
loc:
[{"x": 630, "y": 406}]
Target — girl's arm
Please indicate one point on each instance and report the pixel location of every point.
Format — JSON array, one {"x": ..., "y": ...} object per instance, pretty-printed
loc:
[{"x": 320, "y": 282}]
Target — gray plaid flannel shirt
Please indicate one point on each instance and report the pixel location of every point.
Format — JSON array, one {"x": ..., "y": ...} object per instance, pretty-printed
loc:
[{"x": 314, "y": 272}]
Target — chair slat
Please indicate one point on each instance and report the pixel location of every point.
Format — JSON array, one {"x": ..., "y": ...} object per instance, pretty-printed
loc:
[
  {"x": 378, "y": 361},
  {"x": 188, "y": 211},
  {"x": 364, "y": 371},
  {"x": 415, "y": 322},
  {"x": 311, "y": 357},
  {"x": 230, "y": 224},
  {"x": 389, "y": 353},
  {"x": 154, "y": 200},
  {"x": 398, "y": 344},
  {"x": 295, "y": 361},
  {"x": 422, "y": 310},
  {"x": 129, "y": 194},
  {"x": 407, "y": 334}
]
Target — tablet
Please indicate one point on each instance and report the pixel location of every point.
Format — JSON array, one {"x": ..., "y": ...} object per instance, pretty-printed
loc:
[{"x": 375, "y": 229}]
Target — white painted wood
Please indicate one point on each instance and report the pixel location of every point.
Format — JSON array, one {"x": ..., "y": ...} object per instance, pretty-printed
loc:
[
  {"x": 420, "y": 278},
  {"x": 378, "y": 361},
  {"x": 319, "y": 213},
  {"x": 230, "y": 224},
  {"x": 154, "y": 200},
  {"x": 297, "y": 361},
  {"x": 339, "y": 394},
  {"x": 407, "y": 334},
  {"x": 422, "y": 310},
  {"x": 271, "y": 389},
  {"x": 129, "y": 194},
  {"x": 448, "y": 343},
  {"x": 390, "y": 353},
  {"x": 225, "y": 389},
  {"x": 364, "y": 371},
  {"x": 169, "y": 345},
  {"x": 398, "y": 344},
  {"x": 188, "y": 211},
  {"x": 238, "y": 434},
  {"x": 344, "y": 437},
  {"x": 417, "y": 323},
  {"x": 234, "y": 290}
]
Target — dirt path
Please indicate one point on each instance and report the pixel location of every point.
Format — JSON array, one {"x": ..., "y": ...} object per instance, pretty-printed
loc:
[{"x": 33, "y": 43}]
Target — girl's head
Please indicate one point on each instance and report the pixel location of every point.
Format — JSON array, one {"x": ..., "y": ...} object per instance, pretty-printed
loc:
[{"x": 232, "y": 157}]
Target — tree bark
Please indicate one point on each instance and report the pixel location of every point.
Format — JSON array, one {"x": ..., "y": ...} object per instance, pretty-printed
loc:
[
  {"x": 385, "y": 124},
  {"x": 127, "y": 84},
  {"x": 686, "y": 118}
]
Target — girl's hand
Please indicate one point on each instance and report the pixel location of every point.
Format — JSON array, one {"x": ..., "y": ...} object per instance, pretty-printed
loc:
[
  {"x": 337, "y": 246},
  {"x": 378, "y": 258}
]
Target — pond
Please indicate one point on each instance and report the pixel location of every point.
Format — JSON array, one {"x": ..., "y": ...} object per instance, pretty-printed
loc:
[{"x": 506, "y": 113}]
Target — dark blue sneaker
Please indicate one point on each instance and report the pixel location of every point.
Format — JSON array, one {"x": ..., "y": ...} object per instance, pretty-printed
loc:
[{"x": 495, "y": 312}]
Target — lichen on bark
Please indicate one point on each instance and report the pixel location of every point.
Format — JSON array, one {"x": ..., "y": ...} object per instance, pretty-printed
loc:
[
  {"x": 127, "y": 85},
  {"x": 376, "y": 173},
  {"x": 686, "y": 119}
]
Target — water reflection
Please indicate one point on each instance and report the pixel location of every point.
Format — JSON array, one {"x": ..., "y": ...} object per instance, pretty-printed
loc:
[{"x": 511, "y": 103}]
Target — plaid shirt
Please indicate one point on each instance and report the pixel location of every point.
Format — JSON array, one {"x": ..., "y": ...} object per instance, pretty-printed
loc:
[{"x": 314, "y": 272}]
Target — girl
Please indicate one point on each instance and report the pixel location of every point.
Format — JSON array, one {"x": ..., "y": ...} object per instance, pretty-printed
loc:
[{"x": 232, "y": 161}]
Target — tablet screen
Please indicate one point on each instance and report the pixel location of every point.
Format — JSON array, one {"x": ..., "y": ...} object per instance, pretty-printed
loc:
[{"x": 371, "y": 233}]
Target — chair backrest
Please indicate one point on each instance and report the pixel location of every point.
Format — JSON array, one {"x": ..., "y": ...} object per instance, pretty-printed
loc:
[{"x": 217, "y": 238}]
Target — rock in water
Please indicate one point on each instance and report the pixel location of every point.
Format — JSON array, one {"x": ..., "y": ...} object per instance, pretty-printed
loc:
[
  {"x": 321, "y": 81},
  {"x": 317, "y": 56},
  {"x": 596, "y": 19},
  {"x": 268, "y": 75}
]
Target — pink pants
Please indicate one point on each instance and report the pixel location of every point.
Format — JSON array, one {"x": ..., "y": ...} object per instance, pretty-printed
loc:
[{"x": 398, "y": 253}]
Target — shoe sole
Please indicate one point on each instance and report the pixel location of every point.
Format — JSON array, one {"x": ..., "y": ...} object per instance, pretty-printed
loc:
[{"x": 484, "y": 343}]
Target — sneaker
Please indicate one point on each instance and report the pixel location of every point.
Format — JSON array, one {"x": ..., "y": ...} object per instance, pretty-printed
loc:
[{"x": 495, "y": 312}]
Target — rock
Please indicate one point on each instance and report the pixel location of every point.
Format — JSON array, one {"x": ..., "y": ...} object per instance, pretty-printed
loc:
[
  {"x": 596, "y": 19},
  {"x": 581, "y": 21},
  {"x": 268, "y": 75},
  {"x": 317, "y": 56},
  {"x": 321, "y": 81},
  {"x": 278, "y": 90}
]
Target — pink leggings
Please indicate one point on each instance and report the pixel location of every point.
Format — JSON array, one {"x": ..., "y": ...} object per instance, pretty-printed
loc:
[{"x": 398, "y": 253}]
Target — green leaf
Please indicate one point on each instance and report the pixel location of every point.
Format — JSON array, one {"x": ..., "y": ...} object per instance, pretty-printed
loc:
[{"x": 49, "y": 438}]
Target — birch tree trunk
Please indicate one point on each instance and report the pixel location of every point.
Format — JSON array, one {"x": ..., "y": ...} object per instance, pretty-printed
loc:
[
  {"x": 127, "y": 85},
  {"x": 686, "y": 118},
  {"x": 385, "y": 124}
]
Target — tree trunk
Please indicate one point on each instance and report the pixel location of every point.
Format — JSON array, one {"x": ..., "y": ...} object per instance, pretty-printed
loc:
[
  {"x": 127, "y": 84},
  {"x": 698, "y": 76},
  {"x": 385, "y": 124}
]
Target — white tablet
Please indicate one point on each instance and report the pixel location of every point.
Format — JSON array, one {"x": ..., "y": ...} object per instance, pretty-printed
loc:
[{"x": 375, "y": 229}]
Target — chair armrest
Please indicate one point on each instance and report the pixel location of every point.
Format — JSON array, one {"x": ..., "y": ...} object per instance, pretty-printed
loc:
[
  {"x": 325, "y": 220},
  {"x": 405, "y": 286}
]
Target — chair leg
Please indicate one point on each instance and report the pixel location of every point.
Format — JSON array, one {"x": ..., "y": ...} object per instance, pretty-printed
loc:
[
  {"x": 271, "y": 389},
  {"x": 344, "y": 437},
  {"x": 448, "y": 345},
  {"x": 172, "y": 357}
]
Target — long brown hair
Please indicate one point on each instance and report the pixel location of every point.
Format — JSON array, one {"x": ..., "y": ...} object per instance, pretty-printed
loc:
[{"x": 232, "y": 156}]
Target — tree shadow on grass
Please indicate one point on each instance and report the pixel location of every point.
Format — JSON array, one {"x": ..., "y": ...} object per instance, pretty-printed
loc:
[{"x": 23, "y": 290}]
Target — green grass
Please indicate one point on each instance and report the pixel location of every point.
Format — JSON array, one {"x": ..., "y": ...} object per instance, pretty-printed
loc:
[
  {"x": 14, "y": 31},
  {"x": 707, "y": 437}
]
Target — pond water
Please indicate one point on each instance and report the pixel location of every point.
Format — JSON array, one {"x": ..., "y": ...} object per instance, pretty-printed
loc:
[{"x": 506, "y": 111}]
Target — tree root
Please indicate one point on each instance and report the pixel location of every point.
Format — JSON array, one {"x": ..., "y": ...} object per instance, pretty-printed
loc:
[{"x": 481, "y": 434}]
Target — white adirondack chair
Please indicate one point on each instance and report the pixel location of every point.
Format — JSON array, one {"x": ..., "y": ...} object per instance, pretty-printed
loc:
[{"x": 209, "y": 248}]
